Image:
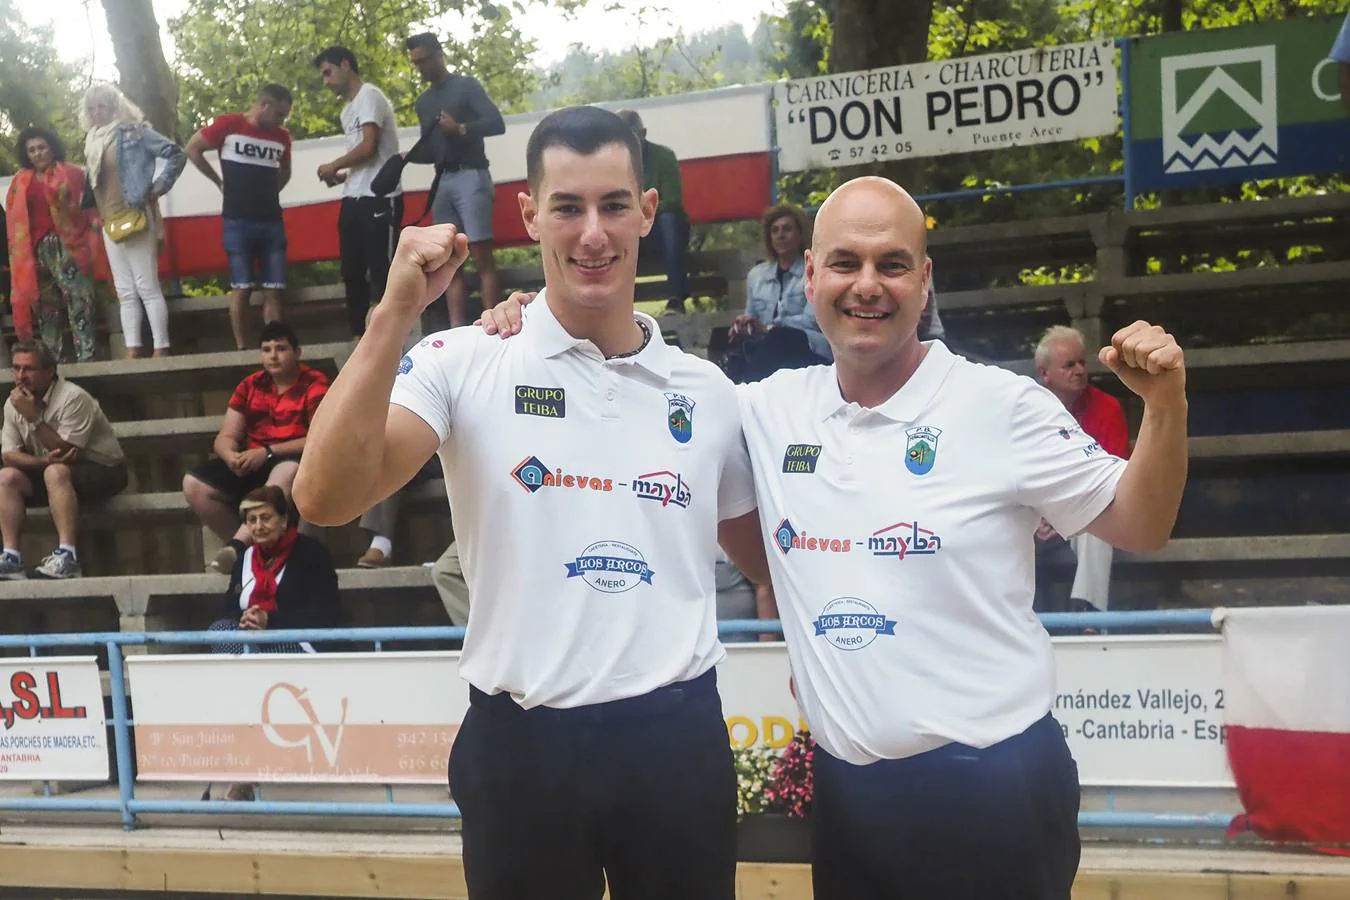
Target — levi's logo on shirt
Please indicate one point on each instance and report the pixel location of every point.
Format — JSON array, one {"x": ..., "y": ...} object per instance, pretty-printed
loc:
[
  {"x": 256, "y": 151},
  {"x": 801, "y": 458},
  {"x": 549, "y": 402}
]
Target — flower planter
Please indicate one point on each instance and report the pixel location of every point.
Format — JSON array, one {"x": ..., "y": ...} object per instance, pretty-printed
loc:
[{"x": 773, "y": 838}]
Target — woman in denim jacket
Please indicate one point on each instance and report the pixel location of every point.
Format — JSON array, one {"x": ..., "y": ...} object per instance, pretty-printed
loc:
[
  {"x": 778, "y": 329},
  {"x": 120, "y": 150}
]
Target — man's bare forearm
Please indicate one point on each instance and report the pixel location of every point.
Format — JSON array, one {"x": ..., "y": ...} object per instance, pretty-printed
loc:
[
  {"x": 1141, "y": 518},
  {"x": 344, "y": 449},
  {"x": 225, "y": 445}
]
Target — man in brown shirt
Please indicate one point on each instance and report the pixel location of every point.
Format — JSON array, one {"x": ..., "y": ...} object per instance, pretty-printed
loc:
[{"x": 59, "y": 450}]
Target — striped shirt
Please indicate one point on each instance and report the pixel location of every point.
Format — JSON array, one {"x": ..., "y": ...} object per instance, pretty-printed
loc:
[{"x": 271, "y": 417}]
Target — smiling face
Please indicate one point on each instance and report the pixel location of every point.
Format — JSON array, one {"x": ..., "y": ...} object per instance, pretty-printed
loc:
[
  {"x": 588, "y": 213},
  {"x": 867, "y": 272}
]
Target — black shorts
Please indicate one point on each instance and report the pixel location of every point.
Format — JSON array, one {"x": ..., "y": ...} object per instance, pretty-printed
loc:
[
  {"x": 222, "y": 478},
  {"x": 92, "y": 481}
]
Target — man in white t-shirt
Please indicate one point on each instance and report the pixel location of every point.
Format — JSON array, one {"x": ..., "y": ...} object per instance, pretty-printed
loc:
[
  {"x": 899, "y": 490},
  {"x": 593, "y": 471},
  {"x": 368, "y": 225}
]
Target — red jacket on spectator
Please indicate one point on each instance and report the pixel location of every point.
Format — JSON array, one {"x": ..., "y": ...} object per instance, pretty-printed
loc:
[{"x": 1103, "y": 418}]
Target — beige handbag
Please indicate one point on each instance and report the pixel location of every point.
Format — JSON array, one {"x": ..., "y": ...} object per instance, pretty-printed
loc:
[{"x": 127, "y": 223}]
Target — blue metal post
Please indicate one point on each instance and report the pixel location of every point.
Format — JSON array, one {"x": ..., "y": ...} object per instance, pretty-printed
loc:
[
  {"x": 121, "y": 734},
  {"x": 1126, "y": 118}
]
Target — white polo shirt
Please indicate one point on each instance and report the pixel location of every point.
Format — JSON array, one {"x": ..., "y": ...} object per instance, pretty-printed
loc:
[
  {"x": 901, "y": 544},
  {"x": 586, "y": 496}
]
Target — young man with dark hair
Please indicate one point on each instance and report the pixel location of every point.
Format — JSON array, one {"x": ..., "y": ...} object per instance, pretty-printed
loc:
[
  {"x": 59, "y": 450},
  {"x": 255, "y": 164},
  {"x": 367, "y": 225},
  {"x": 260, "y": 441},
  {"x": 594, "y": 747},
  {"x": 459, "y": 114}
]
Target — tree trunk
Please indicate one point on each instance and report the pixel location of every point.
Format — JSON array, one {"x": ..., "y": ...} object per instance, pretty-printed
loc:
[
  {"x": 1171, "y": 14},
  {"x": 145, "y": 75},
  {"x": 874, "y": 34}
]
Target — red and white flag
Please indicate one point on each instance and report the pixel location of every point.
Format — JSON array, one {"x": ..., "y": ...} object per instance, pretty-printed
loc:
[{"x": 1286, "y": 675}]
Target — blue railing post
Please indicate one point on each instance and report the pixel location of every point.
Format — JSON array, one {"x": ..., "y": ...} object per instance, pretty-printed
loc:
[{"x": 121, "y": 733}]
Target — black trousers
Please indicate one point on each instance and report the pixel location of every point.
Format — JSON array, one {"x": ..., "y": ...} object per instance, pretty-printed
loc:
[
  {"x": 956, "y": 823},
  {"x": 367, "y": 234},
  {"x": 639, "y": 792}
]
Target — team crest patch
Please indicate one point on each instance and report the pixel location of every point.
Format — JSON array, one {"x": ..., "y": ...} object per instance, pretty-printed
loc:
[
  {"x": 921, "y": 448},
  {"x": 405, "y": 365},
  {"x": 680, "y": 417}
]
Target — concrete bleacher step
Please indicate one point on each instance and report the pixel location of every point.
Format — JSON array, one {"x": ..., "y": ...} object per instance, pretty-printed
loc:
[
  {"x": 1280, "y": 444},
  {"x": 196, "y": 372},
  {"x": 1293, "y": 362},
  {"x": 172, "y": 504},
  {"x": 190, "y": 600}
]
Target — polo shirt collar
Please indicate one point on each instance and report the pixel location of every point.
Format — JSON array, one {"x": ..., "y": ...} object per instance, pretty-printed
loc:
[
  {"x": 553, "y": 340},
  {"x": 46, "y": 398},
  {"x": 912, "y": 397}
]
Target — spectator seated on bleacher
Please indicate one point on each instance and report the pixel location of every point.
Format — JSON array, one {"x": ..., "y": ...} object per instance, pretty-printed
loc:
[
  {"x": 283, "y": 580},
  {"x": 59, "y": 450},
  {"x": 778, "y": 329},
  {"x": 1061, "y": 365},
  {"x": 259, "y": 442}
]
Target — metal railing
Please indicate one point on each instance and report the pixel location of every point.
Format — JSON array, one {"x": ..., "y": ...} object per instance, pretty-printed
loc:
[{"x": 128, "y": 806}]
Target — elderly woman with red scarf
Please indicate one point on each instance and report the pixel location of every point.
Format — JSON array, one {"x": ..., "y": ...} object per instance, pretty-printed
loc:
[
  {"x": 283, "y": 580},
  {"x": 52, "y": 247}
]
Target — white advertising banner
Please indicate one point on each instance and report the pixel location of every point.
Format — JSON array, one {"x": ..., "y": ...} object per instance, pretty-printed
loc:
[
  {"x": 1144, "y": 711},
  {"x": 1137, "y": 711},
  {"x": 54, "y": 727},
  {"x": 1025, "y": 97},
  {"x": 379, "y": 718}
]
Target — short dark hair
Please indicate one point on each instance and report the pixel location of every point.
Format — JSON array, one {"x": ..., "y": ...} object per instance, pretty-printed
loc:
[
  {"x": 270, "y": 494},
  {"x": 37, "y": 131},
  {"x": 337, "y": 55},
  {"x": 581, "y": 129},
  {"x": 279, "y": 331},
  {"x": 278, "y": 92},
  {"x": 784, "y": 211},
  {"x": 425, "y": 40},
  {"x": 45, "y": 357}
]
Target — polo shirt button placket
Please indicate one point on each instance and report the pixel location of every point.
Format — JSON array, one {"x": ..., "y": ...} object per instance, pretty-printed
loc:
[{"x": 609, "y": 392}]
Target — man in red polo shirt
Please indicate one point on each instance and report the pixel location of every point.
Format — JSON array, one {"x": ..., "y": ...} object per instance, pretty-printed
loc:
[
  {"x": 259, "y": 442},
  {"x": 1061, "y": 363}
]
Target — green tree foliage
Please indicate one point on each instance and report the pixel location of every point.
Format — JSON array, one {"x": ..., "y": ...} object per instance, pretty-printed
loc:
[
  {"x": 667, "y": 65},
  {"x": 36, "y": 87},
  {"x": 227, "y": 49}
]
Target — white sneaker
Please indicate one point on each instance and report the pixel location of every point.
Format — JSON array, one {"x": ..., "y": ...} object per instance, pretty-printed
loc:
[
  {"x": 60, "y": 564},
  {"x": 11, "y": 568}
]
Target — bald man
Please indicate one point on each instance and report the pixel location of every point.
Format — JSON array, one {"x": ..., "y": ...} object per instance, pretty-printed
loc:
[{"x": 899, "y": 490}]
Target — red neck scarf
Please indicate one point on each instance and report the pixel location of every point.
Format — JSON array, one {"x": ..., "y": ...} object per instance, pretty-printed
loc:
[{"x": 266, "y": 564}]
